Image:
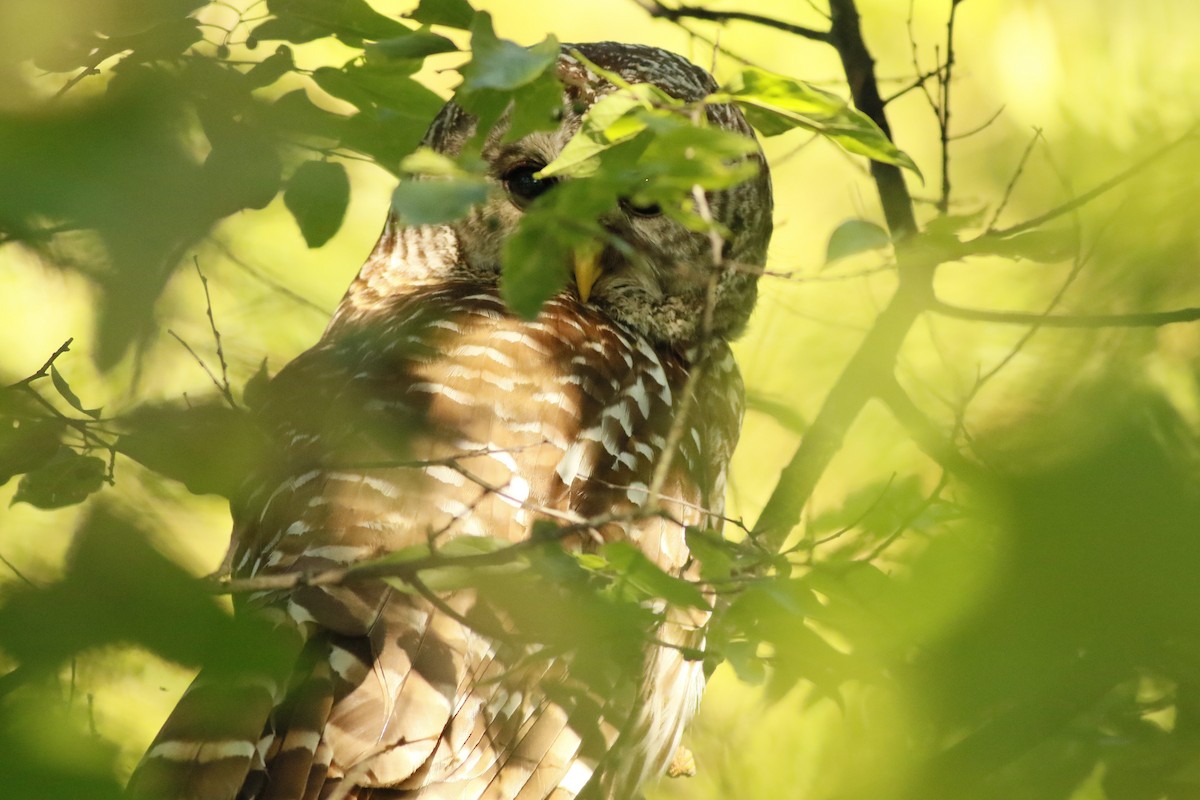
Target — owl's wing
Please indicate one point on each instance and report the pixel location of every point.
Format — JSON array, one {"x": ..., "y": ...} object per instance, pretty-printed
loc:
[{"x": 446, "y": 418}]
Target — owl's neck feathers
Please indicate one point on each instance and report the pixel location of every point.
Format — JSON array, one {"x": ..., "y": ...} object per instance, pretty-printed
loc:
[{"x": 405, "y": 257}]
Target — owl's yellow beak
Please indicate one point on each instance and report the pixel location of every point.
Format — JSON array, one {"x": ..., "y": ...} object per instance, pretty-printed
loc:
[{"x": 587, "y": 268}]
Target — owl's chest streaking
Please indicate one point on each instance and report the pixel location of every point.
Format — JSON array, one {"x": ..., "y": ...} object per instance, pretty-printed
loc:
[{"x": 442, "y": 414}]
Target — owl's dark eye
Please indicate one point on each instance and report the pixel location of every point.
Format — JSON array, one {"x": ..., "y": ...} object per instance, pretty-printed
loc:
[
  {"x": 523, "y": 187},
  {"x": 650, "y": 210}
]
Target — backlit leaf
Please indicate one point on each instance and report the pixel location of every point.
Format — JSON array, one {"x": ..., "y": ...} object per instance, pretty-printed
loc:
[
  {"x": 65, "y": 480},
  {"x": 317, "y": 196}
]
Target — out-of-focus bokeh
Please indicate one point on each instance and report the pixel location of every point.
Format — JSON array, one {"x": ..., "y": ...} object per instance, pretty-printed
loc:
[{"x": 1034, "y": 635}]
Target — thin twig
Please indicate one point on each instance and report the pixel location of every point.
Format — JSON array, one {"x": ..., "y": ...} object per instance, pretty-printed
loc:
[
  {"x": 980, "y": 128},
  {"x": 899, "y": 530},
  {"x": 215, "y": 381},
  {"x": 212, "y": 323},
  {"x": 659, "y": 11},
  {"x": 45, "y": 368},
  {"x": 944, "y": 82},
  {"x": 12, "y": 567},
  {"x": 1149, "y": 319},
  {"x": 1092, "y": 194}
]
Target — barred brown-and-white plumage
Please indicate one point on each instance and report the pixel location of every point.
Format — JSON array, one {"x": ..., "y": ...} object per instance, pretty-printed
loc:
[{"x": 429, "y": 412}]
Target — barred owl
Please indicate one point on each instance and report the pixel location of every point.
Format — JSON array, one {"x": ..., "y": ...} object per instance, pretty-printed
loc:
[{"x": 429, "y": 413}]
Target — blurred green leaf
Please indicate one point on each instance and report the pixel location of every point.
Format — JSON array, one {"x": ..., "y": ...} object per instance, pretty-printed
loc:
[
  {"x": 536, "y": 106},
  {"x": 451, "y": 13},
  {"x": 435, "y": 200},
  {"x": 46, "y": 751},
  {"x": 210, "y": 448},
  {"x": 775, "y": 104},
  {"x": 537, "y": 258},
  {"x": 271, "y": 68},
  {"x": 629, "y": 565},
  {"x": 116, "y": 589},
  {"x": 27, "y": 444},
  {"x": 66, "y": 479},
  {"x": 317, "y": 195},
  {"x": 167, "y": 40},
  {"x": 502, "y": 64},
  {"x": 350, "y": 20},
  {"x": 255, "y": 392},
  {"x": 414, "y": 46},
  {"x": 855, "y": 236},
  {"x": 288, "y": 29}
]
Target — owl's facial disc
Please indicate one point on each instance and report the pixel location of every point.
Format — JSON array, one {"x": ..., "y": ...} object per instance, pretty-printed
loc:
[{"x": 649, "y": 272}]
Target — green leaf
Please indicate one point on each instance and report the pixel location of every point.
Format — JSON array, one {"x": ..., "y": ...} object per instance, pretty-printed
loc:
[
  {"x": 855, "y": 236},
  {"x": 288, "y": 29},
  {"x": 351, "y": 20},
  {"x": 414, "y": 46},
  {"x": 317, "y": 196},
  {"x": 537, "y": 258},
  {"x": 65, "y": 480},
  {"x": 631, "y": 565},
  {"x": 379, "y": 85},
  {"x": 243, "y": 169},
  {"x": 536, "y": 106},
  {"x": 209, "y": 448},
  {"x": 502, "y": 64},
  {"x": 26, "y": 445},
  {"x": 255, "y": 392},
  {"x": 60, "y": 383},
  {"x": 436, "y": 200},
  {"x": 451, "y": 13},
  {"x": 165, "y": 41},
  {"x": 580, "y": 155},
  {"x": 717, "y": 557},
  {"x": 271, "y": 68},
  {"x": 117, "y": 589},
  {"x": 775, "y": 104}
]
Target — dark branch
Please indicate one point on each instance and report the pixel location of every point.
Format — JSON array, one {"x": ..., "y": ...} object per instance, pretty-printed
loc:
[
  {"x": 873, "y": 364},
  {"x": 1149, "y": 319},
  {"x": 846, "y": 35},
  {"x": 659, "y": 11}
]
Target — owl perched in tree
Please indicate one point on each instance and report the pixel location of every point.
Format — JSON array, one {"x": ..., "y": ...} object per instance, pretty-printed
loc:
[{"x": 430, "y": 414}]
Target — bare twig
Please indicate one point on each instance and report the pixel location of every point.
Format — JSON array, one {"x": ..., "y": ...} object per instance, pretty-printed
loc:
[
  {"x": 1016, "y": 176},
  {"x": 45, "y": 368},
  {"x": 1149, "y": 319},
  {"x": 215, "y": 381},
  {"x": 980, "y": 128},
  {"x": 1092, "y": 194},
  {"x": 659, "y": 11},
  {"x": 212, "y": 323},
  {"x": 12, "y": 568}
]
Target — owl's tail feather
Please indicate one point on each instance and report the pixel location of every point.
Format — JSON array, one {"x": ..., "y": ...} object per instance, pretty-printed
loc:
[{"x": 214, "y": 738}]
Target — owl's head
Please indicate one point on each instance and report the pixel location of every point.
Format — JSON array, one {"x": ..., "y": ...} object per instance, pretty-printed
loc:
[{"x": 653, "y": 274}]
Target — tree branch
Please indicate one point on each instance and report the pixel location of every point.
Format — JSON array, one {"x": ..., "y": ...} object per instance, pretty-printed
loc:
[
  {"x": 659, "y": 11},
  {"x": 846, "y": 33},
  {"x": 871, "y": 368},
  {"x": 1149, "y": 319}
]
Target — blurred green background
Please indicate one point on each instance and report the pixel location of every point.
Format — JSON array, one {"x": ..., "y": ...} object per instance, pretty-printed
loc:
[{"x": 1035, "y": 638}]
